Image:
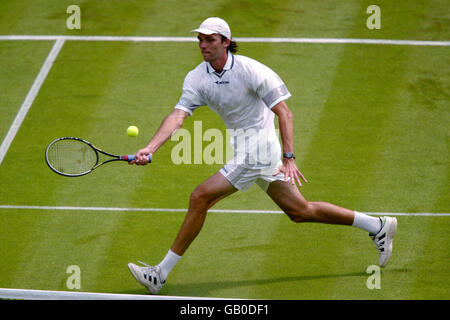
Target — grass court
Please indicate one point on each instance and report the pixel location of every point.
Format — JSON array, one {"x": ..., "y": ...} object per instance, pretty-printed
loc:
[{"x": 371, "y": 134}]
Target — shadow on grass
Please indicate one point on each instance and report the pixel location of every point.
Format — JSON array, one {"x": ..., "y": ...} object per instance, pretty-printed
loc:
[{"x": 207, "y": 289}]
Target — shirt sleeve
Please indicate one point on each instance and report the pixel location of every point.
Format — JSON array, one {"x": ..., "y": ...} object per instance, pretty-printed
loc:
[
  {"x": 190, "y": 98},
  {"x": 269, "y": 86}
]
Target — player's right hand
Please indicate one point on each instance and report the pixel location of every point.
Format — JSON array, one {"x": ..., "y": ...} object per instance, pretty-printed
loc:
[{"x": 141, "y": 157}]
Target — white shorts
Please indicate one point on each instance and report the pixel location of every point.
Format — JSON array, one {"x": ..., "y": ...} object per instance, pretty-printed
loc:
[{"x": 242, "y": 177}]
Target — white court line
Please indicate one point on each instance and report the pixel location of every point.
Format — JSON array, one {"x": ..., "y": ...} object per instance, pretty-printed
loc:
[
  {"x": 26, "y": 294},
  {"x": 238, "y": 39},
  {"x": 118, "y": 209},
  {"x": 26, "y": 105}
]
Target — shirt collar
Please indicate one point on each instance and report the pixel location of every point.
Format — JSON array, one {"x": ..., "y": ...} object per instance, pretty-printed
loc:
[{"x": 228, "y": 65}]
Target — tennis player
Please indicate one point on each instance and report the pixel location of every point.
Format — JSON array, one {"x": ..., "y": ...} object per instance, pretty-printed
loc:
[{"x": 247, "y": 95}]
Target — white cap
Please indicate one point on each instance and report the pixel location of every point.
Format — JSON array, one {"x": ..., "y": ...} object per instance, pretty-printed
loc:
[{"x": 214, "y": 25}]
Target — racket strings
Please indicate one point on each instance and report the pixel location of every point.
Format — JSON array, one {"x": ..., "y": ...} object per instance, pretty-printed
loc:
[{"x": 71, "y": 156}]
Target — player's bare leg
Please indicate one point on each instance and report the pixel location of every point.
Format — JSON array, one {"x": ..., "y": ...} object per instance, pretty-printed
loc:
[
  {"x": 291, "y": 201},
  {"x": 204, "y": 197}
]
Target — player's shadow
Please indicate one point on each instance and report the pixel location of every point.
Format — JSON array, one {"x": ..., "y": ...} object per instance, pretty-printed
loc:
[
  {"x": 206, "y": 289},
  {"x": 210, "y": 288}
]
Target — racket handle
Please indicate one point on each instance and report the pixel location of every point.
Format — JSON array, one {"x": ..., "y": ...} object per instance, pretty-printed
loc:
[{"x": 131, "y": 157}]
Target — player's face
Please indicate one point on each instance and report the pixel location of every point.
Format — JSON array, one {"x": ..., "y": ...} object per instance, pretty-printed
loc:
[{"x": 212, "y": 46}]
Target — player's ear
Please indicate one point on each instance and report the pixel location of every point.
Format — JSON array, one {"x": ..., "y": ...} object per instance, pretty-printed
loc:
[{"x": 226, "y": 42}]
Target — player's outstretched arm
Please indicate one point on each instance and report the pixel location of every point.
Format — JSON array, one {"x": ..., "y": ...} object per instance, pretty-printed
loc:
[
  {"x": 286, "y": 124},
  {"x": 169, "y": 125}
]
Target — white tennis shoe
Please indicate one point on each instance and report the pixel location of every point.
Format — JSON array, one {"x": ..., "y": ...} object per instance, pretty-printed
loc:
[
  {"x": 384, "y": 238},
  {"x": 148, "y": 276}
]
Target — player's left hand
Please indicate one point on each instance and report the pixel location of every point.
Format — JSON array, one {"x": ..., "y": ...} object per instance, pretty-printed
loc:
[{"x": 291, "y": 172}]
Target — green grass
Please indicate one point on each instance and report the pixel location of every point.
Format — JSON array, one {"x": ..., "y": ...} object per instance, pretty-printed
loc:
[{"x": 371, "y": 134}]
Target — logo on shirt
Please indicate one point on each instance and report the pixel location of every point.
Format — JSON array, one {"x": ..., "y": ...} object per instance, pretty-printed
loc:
[{"x": 222, "y": 82}]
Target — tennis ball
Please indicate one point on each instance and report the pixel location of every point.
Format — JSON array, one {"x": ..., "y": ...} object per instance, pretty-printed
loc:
[{"x": 132, "y": 131}]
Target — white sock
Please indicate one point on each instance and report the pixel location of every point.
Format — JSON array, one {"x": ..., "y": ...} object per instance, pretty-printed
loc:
[
  {"x": 169, "y": 261},
  {"x": 368, "y": 223}
]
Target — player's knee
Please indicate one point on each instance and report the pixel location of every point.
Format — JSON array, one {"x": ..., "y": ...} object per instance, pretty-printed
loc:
[
  {"x": 199, "y": 197},
  {"x": 301, "y": 213},
  {"x": 196, "y": 197}
]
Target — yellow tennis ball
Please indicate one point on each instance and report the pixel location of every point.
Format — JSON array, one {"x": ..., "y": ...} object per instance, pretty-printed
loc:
[{"x": 132, "y": 131}]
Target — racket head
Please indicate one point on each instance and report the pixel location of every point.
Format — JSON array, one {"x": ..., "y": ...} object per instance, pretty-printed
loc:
[{"x": 71, "y": 157}]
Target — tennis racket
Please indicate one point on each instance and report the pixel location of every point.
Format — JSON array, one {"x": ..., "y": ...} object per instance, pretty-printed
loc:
[{"x": 74, "y": 157}]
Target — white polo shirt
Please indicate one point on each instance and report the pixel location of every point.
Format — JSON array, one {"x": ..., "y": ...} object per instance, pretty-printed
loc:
[{"x": 242, "y": 95}]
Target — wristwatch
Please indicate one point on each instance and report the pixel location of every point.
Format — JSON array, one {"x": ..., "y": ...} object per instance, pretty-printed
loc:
[{"x": 288, "y": 155}]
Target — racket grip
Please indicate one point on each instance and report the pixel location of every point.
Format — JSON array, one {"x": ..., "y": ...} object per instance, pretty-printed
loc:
[{"x": 131, "y": 157}]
